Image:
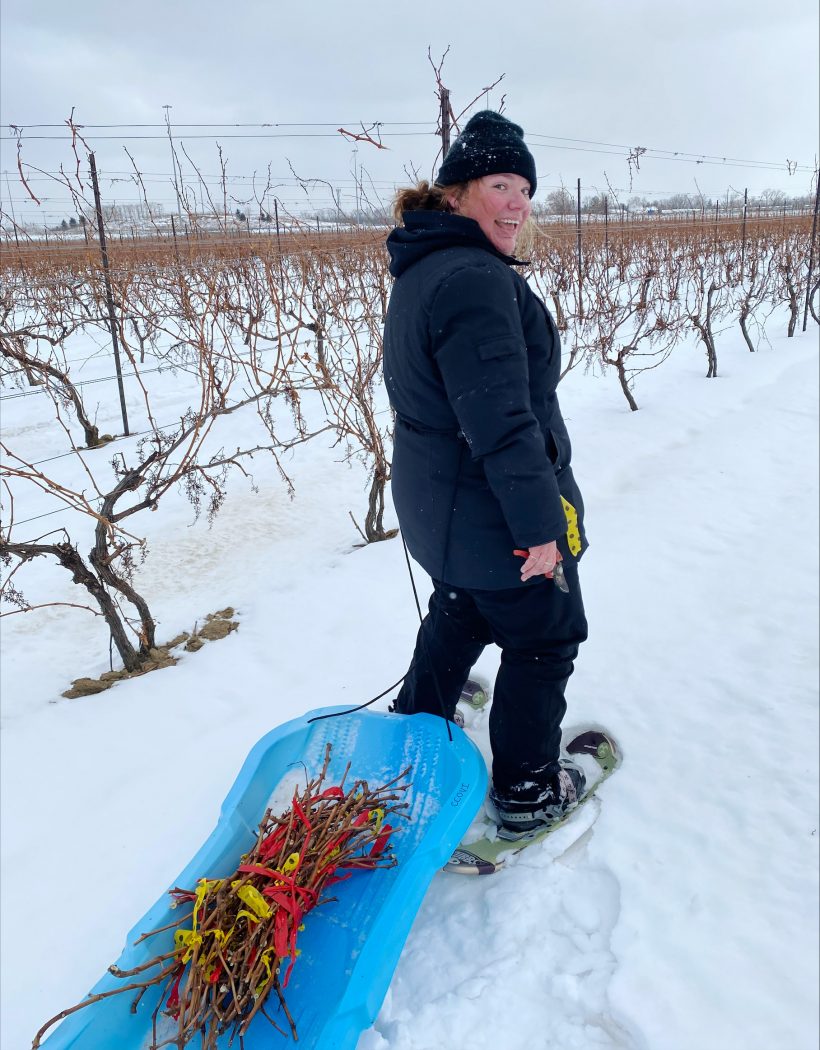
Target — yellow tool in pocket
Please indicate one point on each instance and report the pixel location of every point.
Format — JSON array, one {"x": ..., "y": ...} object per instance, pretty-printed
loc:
[{"x": 573, "y": 532}]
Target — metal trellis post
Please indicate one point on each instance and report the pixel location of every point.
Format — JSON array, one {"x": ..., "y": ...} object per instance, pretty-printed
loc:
[{"x": 109, "y": 295}]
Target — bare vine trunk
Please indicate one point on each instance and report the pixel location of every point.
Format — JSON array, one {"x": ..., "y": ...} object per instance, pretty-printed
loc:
[
  {"x": 560, "y": 318},
  {"x": 794, "y": 309},
  {"x": 69, "y": 557},
  {"x": 620, "y": 367},
  {"x": 11, "y": 347},
  {"x": 704, "y": 329},
  {"x": 101, "y": 558},
  {"x": 811, "y": 302},
  {"x": 374, "y": 521},
  {"x": 744, "y": 313}
]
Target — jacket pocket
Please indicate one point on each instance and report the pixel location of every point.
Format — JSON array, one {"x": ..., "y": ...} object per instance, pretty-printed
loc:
[
  {"x": 557, "y": 450},
  {"x": 505, "y": 346}
]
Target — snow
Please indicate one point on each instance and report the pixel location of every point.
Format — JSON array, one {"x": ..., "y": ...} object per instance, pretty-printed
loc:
[{"x": 680, "y": 911}]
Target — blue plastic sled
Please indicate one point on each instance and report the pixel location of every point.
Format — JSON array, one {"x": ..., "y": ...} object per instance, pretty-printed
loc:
[{"x": 350, "y": 947}]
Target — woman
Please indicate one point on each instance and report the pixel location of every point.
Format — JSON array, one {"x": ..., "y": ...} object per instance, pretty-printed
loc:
[{"x": 481, "y": 464}]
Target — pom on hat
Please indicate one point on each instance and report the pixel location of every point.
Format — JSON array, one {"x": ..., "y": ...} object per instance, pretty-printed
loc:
[{"x": 488, "y": 144}]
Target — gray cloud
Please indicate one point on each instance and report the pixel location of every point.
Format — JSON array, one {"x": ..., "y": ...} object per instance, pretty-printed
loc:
[{"x": 735, "y": 80}]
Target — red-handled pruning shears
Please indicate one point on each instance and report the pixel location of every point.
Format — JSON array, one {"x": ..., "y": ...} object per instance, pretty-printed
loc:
[{"x": 557, "y": 573}]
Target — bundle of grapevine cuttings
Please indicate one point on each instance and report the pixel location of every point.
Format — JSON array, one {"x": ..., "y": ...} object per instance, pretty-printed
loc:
[{"x": 236, "y": 941}]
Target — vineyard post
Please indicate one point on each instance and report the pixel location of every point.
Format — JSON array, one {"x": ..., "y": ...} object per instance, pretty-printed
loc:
[
  {"x": 445, "y": 121},
  {"x": 606, "y": 223},
  {"x": 173, "y": 163},
  {"x": 279, "y": 246},
  {"x": 109, "y": 295},
  {"x": 743, "y": 241},
  {"x": 357, "y": 184},
  {"x": 811, "y": 252},
  {"x": 580, "y": 276},
  {"x": 13, "y": 216},
  {"x": 176, "y": 254}
]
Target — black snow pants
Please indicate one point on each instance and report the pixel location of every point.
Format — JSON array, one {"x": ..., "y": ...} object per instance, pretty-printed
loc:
[{"x": 538, "y": 629}]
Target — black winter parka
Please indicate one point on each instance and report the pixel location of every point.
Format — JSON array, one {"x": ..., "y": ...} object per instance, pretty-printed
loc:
[{"x": 472, "y": 360}]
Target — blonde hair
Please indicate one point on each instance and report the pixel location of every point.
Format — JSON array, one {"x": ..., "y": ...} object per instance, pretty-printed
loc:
[{"x": 527, "y": 236}]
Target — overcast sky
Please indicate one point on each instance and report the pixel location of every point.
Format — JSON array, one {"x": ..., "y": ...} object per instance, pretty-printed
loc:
[{"x": 588, "y": 80}]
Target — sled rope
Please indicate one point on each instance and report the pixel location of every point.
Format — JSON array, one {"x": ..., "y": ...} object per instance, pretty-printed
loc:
[{"x": 395, "y": 685}]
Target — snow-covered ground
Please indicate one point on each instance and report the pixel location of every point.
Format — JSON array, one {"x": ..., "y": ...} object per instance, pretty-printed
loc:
[{"x": 685, "y": 918}]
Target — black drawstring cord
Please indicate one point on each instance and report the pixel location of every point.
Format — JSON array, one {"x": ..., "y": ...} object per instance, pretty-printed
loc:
[
  {"x": 424, "y": 640},
  {"x": 361, "y": 707},
  {"x": 412, "y": 578}
]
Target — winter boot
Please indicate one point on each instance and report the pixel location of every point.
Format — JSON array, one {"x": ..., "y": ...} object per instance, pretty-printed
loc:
[{"x": 535, "y": 806}]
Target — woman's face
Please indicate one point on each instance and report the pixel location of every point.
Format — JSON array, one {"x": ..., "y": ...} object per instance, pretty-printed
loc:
[{"x": 500, "y": 204}]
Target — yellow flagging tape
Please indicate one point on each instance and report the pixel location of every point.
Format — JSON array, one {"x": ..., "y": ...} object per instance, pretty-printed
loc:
[
  {"x": 251, "y": 896},
  {"x": 265, "y": 957},
  {"x": 291, "y": 863},
  {"x": 203, "y": 888},
  {"x": 188, "y": 939}
]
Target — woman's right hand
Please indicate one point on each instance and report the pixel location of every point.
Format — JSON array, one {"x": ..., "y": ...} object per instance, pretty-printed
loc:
[{"x": 541, "y": 561}]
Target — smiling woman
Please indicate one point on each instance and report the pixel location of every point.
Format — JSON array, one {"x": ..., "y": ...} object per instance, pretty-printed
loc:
[
  {"x": 481, "y": 464},
  {"x": 500, "y": 204}
]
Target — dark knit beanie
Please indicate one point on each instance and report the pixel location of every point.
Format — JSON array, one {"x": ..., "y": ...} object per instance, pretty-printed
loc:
[{"x": 488, "y": 144}]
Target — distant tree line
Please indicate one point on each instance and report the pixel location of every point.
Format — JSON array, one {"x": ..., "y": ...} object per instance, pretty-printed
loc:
[
  {"x": 560, "y": 202},
  {"x": 563, "y": 202}
]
